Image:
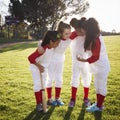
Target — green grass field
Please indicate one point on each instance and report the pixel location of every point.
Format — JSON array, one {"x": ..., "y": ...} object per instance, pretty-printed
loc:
[{"x": 17, "y": 100}]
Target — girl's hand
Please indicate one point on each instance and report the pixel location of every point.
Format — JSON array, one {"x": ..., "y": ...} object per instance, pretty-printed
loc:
[
  {"x": 81, "y": 59},
  {"x": 40, "y": 67},
  {"x": 41, "y": 49}
]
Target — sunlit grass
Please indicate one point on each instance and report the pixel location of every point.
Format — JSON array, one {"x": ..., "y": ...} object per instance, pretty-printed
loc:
[{"x": 16, "y": 87}]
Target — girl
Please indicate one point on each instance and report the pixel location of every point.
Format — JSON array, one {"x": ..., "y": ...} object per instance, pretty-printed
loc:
[
  {"x": 79, "y": 68},
  {"x": 55, "y": 69},
  {"x": 98, "y": 60},
  {"x": 39, "y": 61}
]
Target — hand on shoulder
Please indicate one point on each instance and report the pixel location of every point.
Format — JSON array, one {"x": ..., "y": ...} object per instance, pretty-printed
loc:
[{"x": 41, "y": 50}]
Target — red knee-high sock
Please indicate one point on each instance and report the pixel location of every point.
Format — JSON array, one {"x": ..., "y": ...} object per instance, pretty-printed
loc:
[
  {"x": 86, "y": 91},
  {"x": 49, "y": 92},
  {"x": 57, "y": 92},
  {"x": 38, "y": 96},
  {"x": 100, "y": 100},
  {"x": 74, "y": 91},
  {"x": 97, "y": 97}
]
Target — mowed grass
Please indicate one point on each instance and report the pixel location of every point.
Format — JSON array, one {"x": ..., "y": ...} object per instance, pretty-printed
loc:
[{"x": 17, "y": 100}]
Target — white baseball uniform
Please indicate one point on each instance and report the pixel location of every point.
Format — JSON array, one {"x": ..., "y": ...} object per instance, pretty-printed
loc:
[
  {"x": 100, "y": 69},
  {"x": 79, "y": 68},
  {"x": 55, "y": 68},
  {"x": 44, "y": 60}
]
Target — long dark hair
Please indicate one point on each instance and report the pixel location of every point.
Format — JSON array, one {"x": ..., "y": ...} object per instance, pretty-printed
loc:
[
  {"x": 50, "y": 35},
  {"x": 92, "y": 32},
  {"x": 77, "y": 24}
]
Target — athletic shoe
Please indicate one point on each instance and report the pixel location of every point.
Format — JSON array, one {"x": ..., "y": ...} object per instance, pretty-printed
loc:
[
  {"x": 72, "y": 103},
  {"x": 50, "y": 101},
  {"x": 86, "y": 102},
  {"x": 94, "y": 104},
  {"x": 39, "y": 107},
  {"x": 58, "y": 102},
  {"x": 94, "y": 108}
]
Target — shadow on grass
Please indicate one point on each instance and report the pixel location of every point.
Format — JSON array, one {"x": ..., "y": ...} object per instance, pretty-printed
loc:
[
  {"x": 35, "y": 115},
  {"x": 82, "y": 113},
  {"x": 19, "y": 46},
  {"x": 68, "y": 113},
  {"x": 98, "y": 115}
]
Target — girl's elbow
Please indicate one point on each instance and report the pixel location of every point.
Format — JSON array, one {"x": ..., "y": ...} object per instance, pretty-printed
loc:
[{"x": 30, "y": 59}]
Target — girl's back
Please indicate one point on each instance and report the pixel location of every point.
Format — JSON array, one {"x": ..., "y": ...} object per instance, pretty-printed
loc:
[{"x": 102, "y": 62}]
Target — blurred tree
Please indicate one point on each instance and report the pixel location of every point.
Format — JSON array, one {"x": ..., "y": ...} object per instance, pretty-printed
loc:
[
  {"x": 67, "y": 8},
  {"x": 1, "y": 27},
  {"x": 0, "y": 23},
  {"x": 16, "y": 10},
  {"x": 113, "y": 31},
  {"x": 41, "y": 13}
]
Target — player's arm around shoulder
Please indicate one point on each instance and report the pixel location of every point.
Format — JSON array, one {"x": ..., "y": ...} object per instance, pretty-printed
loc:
[{"x": 41, "y": 49}]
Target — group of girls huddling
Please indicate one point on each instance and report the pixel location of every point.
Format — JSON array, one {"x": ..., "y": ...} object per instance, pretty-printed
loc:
[{"x": 89, "y": 58}]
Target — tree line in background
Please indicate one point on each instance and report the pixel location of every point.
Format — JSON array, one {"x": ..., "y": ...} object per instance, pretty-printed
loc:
[
  {"x": 40, "y": 15},
  {"x": 104, "y": 33},
  {"x": 37, "y": 16}
]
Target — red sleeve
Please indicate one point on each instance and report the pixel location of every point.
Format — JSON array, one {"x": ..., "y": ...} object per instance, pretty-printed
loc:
[
  {"x": 73, "y": 35},
  {"x": 95, "y": 52},
  {"x": 33, "y": 56}
]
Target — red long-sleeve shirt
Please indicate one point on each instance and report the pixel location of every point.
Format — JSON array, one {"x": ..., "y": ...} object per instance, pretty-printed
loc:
[
  {"x": 95, "y": 52},
  {"x": 73, "y": 35},
  {"x": 35, "y": 54}
]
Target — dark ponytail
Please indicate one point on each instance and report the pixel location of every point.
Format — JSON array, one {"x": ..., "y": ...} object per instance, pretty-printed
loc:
[
  {"x": 81, "y": 22},
  {"x": 74, "y": 23},
  {"x": 50, "y": 35},
  {"x": 92, "y": 31},
  {"x": 77, "y": 24}
]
